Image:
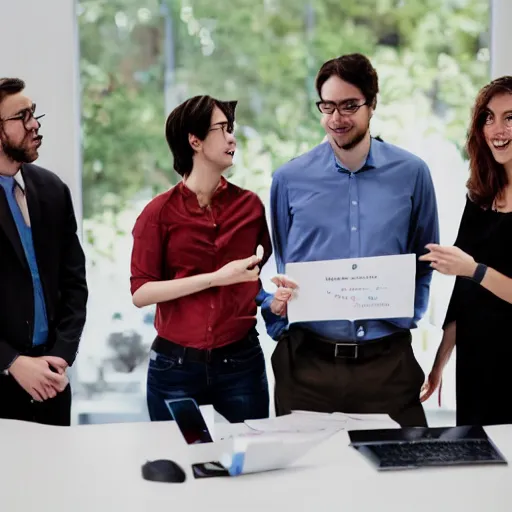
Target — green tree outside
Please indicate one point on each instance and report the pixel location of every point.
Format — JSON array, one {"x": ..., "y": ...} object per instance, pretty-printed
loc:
[{"x": 139, "y": 59}]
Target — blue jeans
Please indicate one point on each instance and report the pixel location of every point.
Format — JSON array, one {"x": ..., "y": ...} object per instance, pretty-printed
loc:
[{"x": 233, "y": 379}]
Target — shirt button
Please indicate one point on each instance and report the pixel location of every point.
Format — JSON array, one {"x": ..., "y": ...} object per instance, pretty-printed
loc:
[
  {"x": 209, "y": 329},
  {"x": 354, "y": 228},
  {"x": 212, "y": 305},
  {"x": 354, "y": 203}
]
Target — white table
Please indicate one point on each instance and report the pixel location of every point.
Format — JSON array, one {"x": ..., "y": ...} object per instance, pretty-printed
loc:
[{"x": 96, "y": 468}]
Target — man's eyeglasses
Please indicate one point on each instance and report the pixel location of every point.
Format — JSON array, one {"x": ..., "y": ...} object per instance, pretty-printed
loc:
[
  {"x": 344, "y": 108},
  {"x": 224, "y": 126},
  {"x": 25, "y": 116}
]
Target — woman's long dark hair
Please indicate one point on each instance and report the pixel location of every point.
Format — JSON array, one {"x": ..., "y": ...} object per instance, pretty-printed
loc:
[{"x": 487, "y": 178}]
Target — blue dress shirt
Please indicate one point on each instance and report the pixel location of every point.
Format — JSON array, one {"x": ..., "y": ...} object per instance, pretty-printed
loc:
[{"x": 321, "y": 211}]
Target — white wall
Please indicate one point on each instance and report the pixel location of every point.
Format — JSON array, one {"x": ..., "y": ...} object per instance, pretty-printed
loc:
[
  {"x": 39, "y": 45},
  {"x": 501, "y": 38}
]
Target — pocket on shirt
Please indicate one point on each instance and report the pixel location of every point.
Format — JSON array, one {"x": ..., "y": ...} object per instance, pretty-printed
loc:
[{"x": 160, "y": 363}]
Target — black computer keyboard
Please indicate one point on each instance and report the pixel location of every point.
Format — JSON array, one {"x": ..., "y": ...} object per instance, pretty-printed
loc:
[{"x": 426, "y": 453}]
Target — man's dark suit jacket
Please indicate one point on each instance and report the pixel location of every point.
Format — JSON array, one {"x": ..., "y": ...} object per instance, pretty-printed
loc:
[{"x": 61, "y": 263}]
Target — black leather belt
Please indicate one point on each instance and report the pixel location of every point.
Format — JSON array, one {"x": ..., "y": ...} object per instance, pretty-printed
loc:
[
  {"x": 356, "y": 351},
  {"x": 171, "y": 349}
]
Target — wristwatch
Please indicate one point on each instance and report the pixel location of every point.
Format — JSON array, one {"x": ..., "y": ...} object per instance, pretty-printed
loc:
[
  {"x": 6, "y": 371},
  {"x": 479, "y": 274}
]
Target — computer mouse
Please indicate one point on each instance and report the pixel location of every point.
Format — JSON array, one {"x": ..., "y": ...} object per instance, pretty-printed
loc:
[{"x": 163, "y": 470}]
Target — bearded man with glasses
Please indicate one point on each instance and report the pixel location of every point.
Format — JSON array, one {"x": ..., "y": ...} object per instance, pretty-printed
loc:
[
  {"x": 42, "y": 270},
  {"x": 352, "y": 196}
]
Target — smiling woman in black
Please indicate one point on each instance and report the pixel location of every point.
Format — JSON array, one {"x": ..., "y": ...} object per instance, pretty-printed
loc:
[{"x": 479, "y": 316}]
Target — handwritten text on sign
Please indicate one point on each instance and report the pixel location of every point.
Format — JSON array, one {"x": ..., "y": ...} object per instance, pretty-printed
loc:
[{"x": 353, "y": 289}]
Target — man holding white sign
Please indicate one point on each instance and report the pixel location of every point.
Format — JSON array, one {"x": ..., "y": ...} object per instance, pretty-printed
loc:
[
  {"x": 350, "y": 219},
  {"x": 353, "y": 289}
]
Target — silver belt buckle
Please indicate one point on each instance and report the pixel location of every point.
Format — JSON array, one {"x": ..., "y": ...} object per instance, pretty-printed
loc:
[{"x": 352, "y": 356}]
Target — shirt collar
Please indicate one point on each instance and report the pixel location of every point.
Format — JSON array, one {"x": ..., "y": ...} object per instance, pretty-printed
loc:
[
  {"x": 191, "y": 198},
  {"x": 368, "y": 164},
  {"x": 18, "y": 178}
]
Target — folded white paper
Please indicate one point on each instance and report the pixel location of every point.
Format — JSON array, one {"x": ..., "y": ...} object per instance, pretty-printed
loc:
[{"x": 268, "y": 452}]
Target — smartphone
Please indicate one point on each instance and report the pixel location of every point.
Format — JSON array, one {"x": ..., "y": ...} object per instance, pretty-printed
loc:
[
  {"x": 209, "y": 470},
  {"x": 190, "y": 421}
]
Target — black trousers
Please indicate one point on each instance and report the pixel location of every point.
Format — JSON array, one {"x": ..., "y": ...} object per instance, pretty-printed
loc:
[
  {"x": 17, "y": 404},
  {"x": 385, "y": 379}
]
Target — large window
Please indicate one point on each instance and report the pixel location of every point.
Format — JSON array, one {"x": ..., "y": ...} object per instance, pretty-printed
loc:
[{"x": 140, "y": 58}]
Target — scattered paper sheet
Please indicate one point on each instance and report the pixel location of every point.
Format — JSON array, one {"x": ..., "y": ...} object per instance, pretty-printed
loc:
[
  {"x": 353, "y": 289},
  {"x": 309, "y": 422},
  {"x": 297, "y": 422},
  {"x": 275, "y": 443}
]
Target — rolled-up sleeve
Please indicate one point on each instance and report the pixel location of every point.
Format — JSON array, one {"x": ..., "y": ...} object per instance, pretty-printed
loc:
[
  {"x": 264, "y": 238},
  {"x": 147, "y": 251}
]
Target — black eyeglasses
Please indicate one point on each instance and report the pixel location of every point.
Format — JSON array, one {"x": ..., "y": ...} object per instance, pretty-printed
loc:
[
  {"x": 25, "y": 116},
  {"x": 345, "y": 108},
  {"x": 224, "y": 126}
]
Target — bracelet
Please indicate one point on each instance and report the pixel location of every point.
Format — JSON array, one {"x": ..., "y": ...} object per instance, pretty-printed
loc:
[{"x": 479, "y": 274}]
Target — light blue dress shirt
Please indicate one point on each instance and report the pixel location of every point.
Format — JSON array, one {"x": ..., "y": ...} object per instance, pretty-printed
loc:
[{"x": 321, "y": 211}]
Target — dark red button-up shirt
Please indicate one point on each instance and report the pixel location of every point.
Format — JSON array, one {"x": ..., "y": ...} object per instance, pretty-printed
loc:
[{"x": 175, "y": 238}]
